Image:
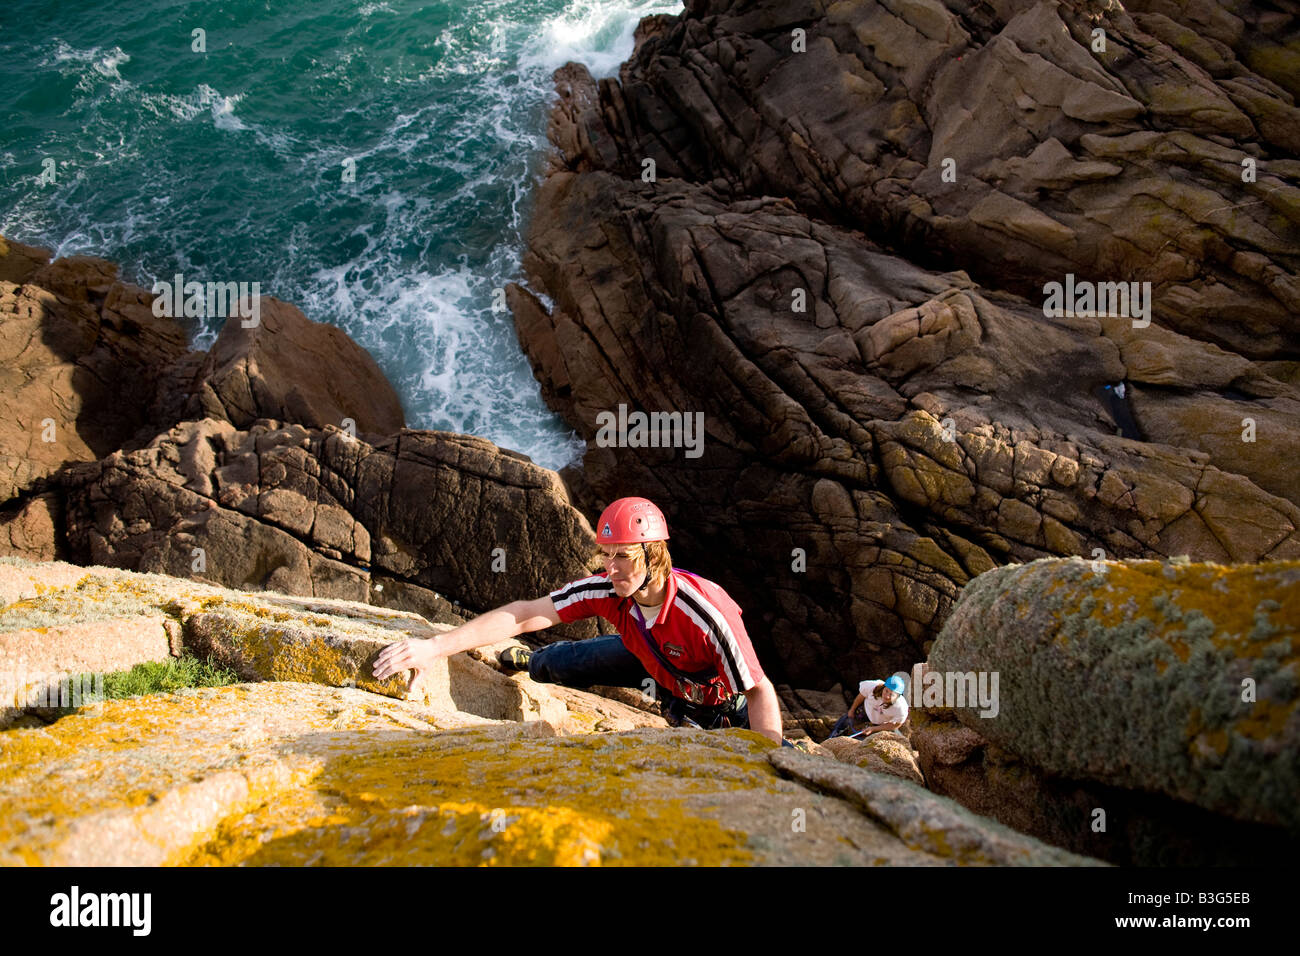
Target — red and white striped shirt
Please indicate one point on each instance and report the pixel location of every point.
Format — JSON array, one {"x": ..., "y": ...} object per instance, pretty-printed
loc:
[{"x": 698, "y": 630}]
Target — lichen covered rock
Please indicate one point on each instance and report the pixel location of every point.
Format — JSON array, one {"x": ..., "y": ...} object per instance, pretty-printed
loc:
[
  {"x": 883, "y": 753},
  {"x": 65, "y": 618},
  {"x": 320, "y": 764},
  {"x": 288, "y": 773},
  {"x": 1124, "y": 827},
  {"x": 1181, "y": 679}
]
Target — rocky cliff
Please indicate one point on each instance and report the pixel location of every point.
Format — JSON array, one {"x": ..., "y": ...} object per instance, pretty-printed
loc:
[
  {"x": 277, "y": 460},
  {"x": 830, "y": 228}
]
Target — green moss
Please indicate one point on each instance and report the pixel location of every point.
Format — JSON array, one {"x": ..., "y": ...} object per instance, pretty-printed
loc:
[{"x": 163, "y": 677}]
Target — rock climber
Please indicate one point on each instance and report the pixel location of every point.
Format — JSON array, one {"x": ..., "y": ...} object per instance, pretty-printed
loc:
[
  {"x": 1115, "y": 398},
  {"x": 880, "y": 703},
  {"x": 678, "y": 632}
]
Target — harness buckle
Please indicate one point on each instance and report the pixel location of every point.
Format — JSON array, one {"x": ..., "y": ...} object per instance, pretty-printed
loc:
[{"x": 691, "y": 691}]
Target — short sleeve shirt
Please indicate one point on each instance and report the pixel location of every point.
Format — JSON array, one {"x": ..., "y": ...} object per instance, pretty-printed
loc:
[
  {"x": 877, "y": 712},
  {"x": 698, "y": 630}
]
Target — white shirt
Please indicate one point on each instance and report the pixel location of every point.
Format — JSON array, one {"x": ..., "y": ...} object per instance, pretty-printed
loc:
[{"x": 876, "y": 710}]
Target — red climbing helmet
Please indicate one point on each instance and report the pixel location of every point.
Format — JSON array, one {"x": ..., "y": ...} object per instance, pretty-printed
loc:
[{"x": 631, "y": 521}]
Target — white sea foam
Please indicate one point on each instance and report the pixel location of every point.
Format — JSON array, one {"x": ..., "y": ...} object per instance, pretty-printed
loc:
[
  {"x": 456, "y": 363},
  {"x": 107, "y": 64},
  {"x": 463, "y": 369},
  {"x": 92, "y": 66},
  {"x": 221, "y": 107},
  {"x": 204, "y": 99},
  {"x": 595, "y": 33},
  {"x": 473, "y": 123},
  {"x": 65, "y": 52}
]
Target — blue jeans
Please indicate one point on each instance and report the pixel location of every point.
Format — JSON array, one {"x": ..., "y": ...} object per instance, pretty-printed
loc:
[
  {"x": 597, "y": 660},
  {"x": 843, "y": 726},
  {"x": 604, "y": 660},
  {"x": 848, "y": 725}
]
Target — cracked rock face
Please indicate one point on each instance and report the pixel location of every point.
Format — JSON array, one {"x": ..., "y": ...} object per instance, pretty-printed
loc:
[
  {"x": 877, "y": 432},
  {"x": 80, "y": 357},
  {"x": 1068, "y": 158},
  {"x": 301, "y": 511}
]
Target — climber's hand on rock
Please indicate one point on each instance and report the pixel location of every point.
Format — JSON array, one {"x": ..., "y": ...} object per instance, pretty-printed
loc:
[{"x": 409, "y": 654}]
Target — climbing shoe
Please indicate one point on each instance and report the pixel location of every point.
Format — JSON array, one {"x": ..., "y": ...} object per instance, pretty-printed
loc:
[{"x": 515, "y": 658}]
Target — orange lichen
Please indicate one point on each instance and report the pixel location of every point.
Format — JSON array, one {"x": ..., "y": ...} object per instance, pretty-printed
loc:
[
  {"x": 1224, "y": 604},
  {"x": 315, "y": 788},
  {"x": 570, "y": 801}
]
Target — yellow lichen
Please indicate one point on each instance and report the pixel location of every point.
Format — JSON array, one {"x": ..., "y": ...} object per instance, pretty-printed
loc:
[
  {"x": 368, "y": 795},
  {"x": 570, "y": 801},
  {"x": 1227, "y": 596}
]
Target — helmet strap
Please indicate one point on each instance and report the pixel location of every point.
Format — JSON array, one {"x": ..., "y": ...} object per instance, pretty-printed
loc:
[{"x": 645, "y": 554}]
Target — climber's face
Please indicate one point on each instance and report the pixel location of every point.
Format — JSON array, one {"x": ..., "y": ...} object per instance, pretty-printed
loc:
[{"x": 625, "y": 567}]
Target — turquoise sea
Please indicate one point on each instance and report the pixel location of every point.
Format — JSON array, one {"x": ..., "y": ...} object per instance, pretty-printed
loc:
[{"x": 231, "y": 163}]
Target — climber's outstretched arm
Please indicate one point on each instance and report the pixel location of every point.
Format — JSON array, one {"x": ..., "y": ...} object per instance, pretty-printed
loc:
[{"x": 518, "y": 617}]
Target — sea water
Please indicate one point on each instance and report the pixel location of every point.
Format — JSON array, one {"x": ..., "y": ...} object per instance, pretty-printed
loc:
[{"x": 370, "y": 162}]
